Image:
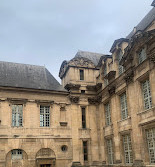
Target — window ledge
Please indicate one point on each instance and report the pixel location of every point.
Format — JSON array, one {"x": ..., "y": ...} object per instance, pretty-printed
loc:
[
  {"x": 145, "y": 111},
  {"x": 124, "y": 119}
]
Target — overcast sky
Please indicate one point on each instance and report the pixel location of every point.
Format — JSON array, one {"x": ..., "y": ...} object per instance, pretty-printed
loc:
[{"x": 46, "y": 32}]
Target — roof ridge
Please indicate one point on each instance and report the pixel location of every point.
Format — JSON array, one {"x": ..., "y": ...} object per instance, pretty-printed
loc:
[{"x": 22, "y": 64}]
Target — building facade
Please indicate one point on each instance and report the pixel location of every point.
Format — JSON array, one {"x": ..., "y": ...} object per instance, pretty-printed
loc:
[{"x": 103, "y": 114}]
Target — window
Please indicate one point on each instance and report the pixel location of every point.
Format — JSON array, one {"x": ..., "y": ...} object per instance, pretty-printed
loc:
[
  {"x": 82, "y": 91},
  {"x": 64, "y": 148},
  {"x": 81, "y": 75},
  {"x": 150, "y": 135},
  {"x": 127, "y": 149},
  {"x": 120, "y": 67},
  {"x": 146, "y": 94},
  {"x": 44, "y": 116},
  {"x": 142, "y": 55},
  {"x": 17, "y": 115},
  {"x": 124, "y": 110},
  {"x": 83, "y": 117},
  {"x": 85, "y": 150},
  {"x": 110, "y": 152},
  {"x": 17, "y": 154},
  {"x": 107, "y": 114}
]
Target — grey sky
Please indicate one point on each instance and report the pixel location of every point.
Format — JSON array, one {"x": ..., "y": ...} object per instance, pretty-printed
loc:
[{"x": 46, "y": 32}]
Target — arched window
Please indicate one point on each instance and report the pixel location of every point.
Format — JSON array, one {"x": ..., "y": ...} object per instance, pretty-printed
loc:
[{"x": 17, "y": 154}]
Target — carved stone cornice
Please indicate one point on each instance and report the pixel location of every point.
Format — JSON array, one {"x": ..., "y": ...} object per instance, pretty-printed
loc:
[
  {"x": 98, "y": 86},
  {"x": 111, "y": 75},
  {"x": 129, "y": 77},
  {"x": 74, "y": 99},
  {"x": 44, "y": 102},
  {"x": 17, "y": 101},
  {"x": 81, "y": 62},
  {"x": 91, "y": 87},
  {"x": 95, "y": 100},
  {"x": 72, "y": 86},
  {"x": 111, "y": 90},
  {"x": 152, "y": 57}
]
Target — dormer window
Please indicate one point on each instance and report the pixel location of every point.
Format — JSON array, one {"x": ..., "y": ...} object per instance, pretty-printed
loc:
[
  {"x": 120, "y": 67},
  {"x": 81, "y": 75},
  {"x": 142, "y": 55}
]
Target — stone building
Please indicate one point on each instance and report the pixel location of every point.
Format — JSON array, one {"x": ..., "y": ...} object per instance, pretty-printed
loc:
[{"x": 103, "y": 114}]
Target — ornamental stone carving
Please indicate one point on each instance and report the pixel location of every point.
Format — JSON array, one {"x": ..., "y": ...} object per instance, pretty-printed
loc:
[
  {"x": 74, "y": 99},
  {"x": 129, "y": 77},
  {"x": 72, "y": 86},
  {"x": 111, "y": 90},
  {"x": 81, "y": 62}
]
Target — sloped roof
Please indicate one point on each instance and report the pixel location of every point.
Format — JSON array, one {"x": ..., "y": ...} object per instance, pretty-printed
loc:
[
  {"x": 27, "y": 76},
  {"x": 153, "y": 3},
  {"x": 145, "y": 22},
  {"x": 94, "y": 57}
]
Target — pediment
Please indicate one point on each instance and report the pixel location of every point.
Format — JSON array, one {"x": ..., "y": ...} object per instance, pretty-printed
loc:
[{"x": 81, "y": 62}]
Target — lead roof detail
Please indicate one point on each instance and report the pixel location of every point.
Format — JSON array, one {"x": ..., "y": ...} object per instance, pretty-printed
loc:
[{"x": 27, "y": 76}]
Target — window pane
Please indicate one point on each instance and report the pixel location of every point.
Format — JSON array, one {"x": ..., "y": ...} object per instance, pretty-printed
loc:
[
  {"x": 83, "y": 118},
  {"x": 124, "y": 110},
  {"x": 147, "y": 94},
  {"x": 107, "y": 114},
  {"x": 17, "y": 154},
  {"x": 150, "y": 134},
  {"x": 17, "y": 115},
  {"x": 44, "y": 116},
  {"x": 142, "y": 55},
  {"x": 127, "y": 149},
  {"x": 81, "y": 75},
  {"x": 110, "y": 153}
]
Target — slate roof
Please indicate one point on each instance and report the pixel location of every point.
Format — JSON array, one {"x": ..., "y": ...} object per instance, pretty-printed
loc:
[
  {"x": 145, "y": 22},
  {"x": 94, "y": 57},
  {"x": 27, "y": 76},
  {"x": 153, "y": 3}
]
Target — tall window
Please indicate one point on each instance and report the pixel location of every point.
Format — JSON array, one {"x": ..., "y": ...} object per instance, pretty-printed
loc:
[
  {"x": 44, "y": 116},
  {"x": 147, "y": 95},
  {"x": 81, "y": 75},
  {"x": 107, "y": 114},
  {"x": 124, "y": 110},
  {"x": 127, "y": 149},
  {"x": 150, "y": 134},
  {"x": 17, "y": 115},
  {"x": 83, "y": 117},
  {"x": 85, "y": 150},
  {"x": 17, "y": 154},
  {"x": 142, "y": 55},
  {"x": 120, "y": 67},
  {"x": 110, "y": 152}
]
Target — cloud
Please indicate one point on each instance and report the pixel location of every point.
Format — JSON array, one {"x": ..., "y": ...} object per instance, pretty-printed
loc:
[{"x": 46, "y": 32}]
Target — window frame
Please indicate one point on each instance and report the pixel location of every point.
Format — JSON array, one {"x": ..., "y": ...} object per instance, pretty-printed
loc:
[
  {"x": 83, "y": 117},
  {"x": 147, "y": 101},
  {"x": 153, "y": 141},
  {"x": 120, "y": 67},
  {"x": 124, "y": 110},
  {"x": 107, "y": 110},
  {"x": 142, "y": 57},
  {"x": 111, "y": 154},
  {"x": 45, "y": 117},
  {"x": 85, "y": 148},
  {"x": 15, "y": 154},
  {"x": 81, "y": 75},
  {"x": 129, "y": 152},
  {"x": 17, "y": 115}
]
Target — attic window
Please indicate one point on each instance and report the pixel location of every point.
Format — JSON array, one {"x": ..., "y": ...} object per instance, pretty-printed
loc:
[{"x": 81, "y": 75}]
